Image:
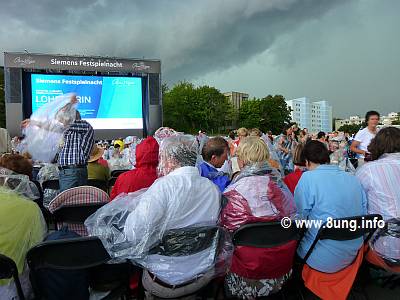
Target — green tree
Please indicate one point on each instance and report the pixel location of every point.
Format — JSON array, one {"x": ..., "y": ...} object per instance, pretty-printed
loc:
[
  {"x": 177, "y": 106},
  {"x": 188, "y": 108},
  {"x": 268, "y": 113},
  {"x": 250, "y": 113},
  {"x": 275, "y": 113},
  {"x": 2, "y": 101}
]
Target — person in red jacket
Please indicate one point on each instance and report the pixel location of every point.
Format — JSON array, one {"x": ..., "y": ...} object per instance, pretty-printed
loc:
[
  {"x": 145, "y": 172},
  {"x": 299, "y": 162}
]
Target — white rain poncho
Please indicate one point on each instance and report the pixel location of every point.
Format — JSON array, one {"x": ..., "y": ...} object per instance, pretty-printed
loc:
[
  {"x": 44, "y": 134},
  {"x": 169, "y": 229},
  {"x": 19, "y": 184}
]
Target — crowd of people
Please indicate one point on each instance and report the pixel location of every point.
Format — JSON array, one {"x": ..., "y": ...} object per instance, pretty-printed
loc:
[{"x": 184, "y": 182}]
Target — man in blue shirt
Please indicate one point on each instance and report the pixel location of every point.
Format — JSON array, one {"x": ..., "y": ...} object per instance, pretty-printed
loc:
[
  {"x": 215, "y": 153},
  {"x": 326, "y": 191}
]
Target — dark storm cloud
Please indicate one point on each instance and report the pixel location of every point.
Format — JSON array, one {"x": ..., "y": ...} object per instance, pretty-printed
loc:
[
  {"x": 191, "y": 37},
  {"x": 349, "y": 56}
]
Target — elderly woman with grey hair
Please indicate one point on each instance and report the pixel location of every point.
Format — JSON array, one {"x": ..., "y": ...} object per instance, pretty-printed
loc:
[{"x": 179, "y": 199}]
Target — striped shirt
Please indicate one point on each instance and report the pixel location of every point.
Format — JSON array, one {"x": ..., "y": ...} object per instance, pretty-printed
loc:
[
  {"x": 78, "y": 143},
  {"x": 381, "y": 182}
]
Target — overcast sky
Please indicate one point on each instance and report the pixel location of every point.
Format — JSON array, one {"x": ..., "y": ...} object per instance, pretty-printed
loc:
[{"x": 343, "y": 51}]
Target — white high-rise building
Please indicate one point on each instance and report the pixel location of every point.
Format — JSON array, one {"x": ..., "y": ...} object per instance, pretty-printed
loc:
[{"x": 316, "y": 116}]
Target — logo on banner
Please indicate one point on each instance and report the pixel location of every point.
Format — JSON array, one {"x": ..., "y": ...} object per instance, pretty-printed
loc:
[
  {"x": 118, "y": 81},
  {"x": 140, "y": 66},
  {"x": 24, "y": 61}
]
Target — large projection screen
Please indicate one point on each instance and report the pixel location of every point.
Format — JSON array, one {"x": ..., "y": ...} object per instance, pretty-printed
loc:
[{"x": 106, "y": 102}]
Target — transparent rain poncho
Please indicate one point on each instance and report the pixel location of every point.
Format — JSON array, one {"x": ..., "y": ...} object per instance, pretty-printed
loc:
[
  {"x": 164, "y": 132},
  {"x": 44, "y": 134},
  {"x": 19, "y": 184},
  {"x": 143, "y": 227},
  {"x": 386, "y": 242},
  {"x": 256, "y": 188},
  {"x": 202, "y": 140},
  {"x": 272, "y": 151},
  {"x": 129, "y": 153},
  {"x": 182, "y": 150},
  {"x": 339, "y": 157},
  {"x": 48, "y": 172}
]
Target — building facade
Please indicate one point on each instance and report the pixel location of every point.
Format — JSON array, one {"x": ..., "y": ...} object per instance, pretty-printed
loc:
[
  {"x": 236, "y": 98},
  {"x": 315, "y": 116}
]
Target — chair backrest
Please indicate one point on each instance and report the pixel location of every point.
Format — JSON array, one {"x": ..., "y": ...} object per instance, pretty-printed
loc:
[
  {"x": 101, "y": 184},
  {"x": 59, "y": 268},
  {"x": 116, "y": 173},
  {"x": 346, "y": 229},
  {"x": 187, "y": 241},
  {"x": 8, "y": 269},
  {"x": 75, "y": 214},
  {"x": 51, "y": 184},
  {"x": 265, "y": 235},
  {"x": 74, "y": 205},
  {"x": 68, "y": 254}
]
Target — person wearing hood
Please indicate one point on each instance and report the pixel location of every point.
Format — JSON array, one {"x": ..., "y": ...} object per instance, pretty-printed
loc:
[{"x": 145, "y": 172}]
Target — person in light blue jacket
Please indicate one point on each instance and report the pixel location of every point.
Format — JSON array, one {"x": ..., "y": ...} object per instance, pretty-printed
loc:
[
  {"x": 326, "y": 191},
  {"x": 215, "y": 153}
]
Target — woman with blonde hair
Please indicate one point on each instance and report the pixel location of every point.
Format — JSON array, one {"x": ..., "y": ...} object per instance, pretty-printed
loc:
[
  {"x": 242, "y": 133},
  {"x": 257, "y": 194}
]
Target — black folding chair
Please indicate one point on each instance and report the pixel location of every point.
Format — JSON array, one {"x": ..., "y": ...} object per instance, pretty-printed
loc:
[
  {"x": 345, "y": 233},
  {"x": 101, "y": 184},
  {"x": 8, "y": 269},
  {"x": 116, "y": 173},
  {"x": 75, "y": 214},
  {"x": 51, "y": 184},
  {"x": 86, "y": 253},
  {"x": 265, "y": 235}
]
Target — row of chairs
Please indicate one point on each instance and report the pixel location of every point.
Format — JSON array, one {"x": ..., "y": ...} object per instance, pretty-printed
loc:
[
  {"x": 101, "y": 184},
  {"x": 88, "y": 252}
]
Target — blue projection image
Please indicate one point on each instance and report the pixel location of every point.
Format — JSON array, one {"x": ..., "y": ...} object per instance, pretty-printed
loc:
[{"x": 105, "y": 102}]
